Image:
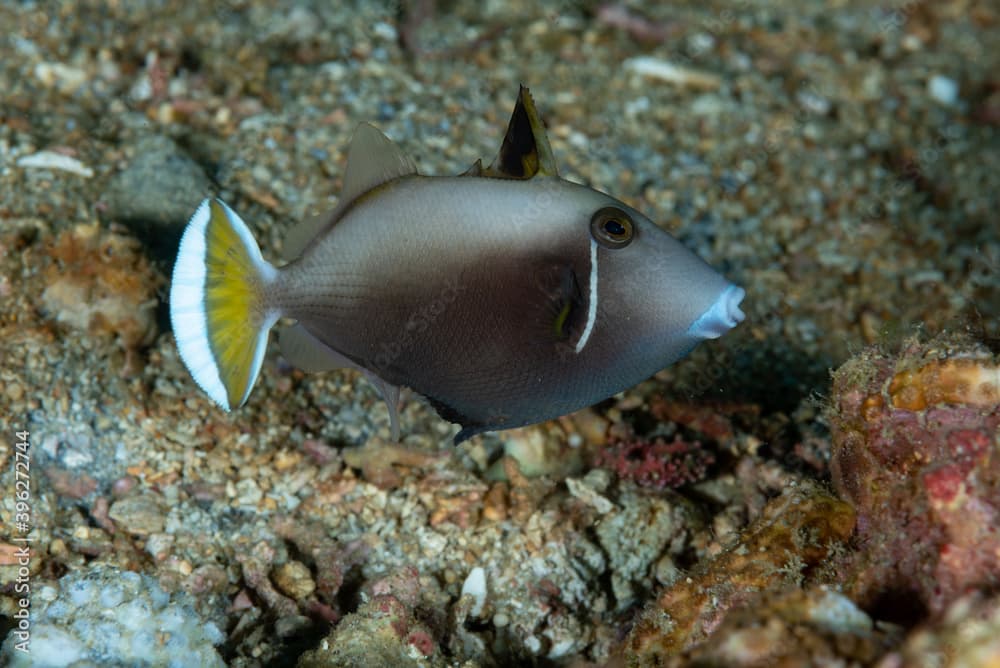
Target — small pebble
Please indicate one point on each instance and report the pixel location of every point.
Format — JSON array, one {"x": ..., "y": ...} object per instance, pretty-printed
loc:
[
  {"x": 15, "y": 391},
  {"x": 475, "y": 586},
  {"x": 294, "y": 579},
  {"x": 943, "y": 89},
  {"x": 141, "y": 515}
]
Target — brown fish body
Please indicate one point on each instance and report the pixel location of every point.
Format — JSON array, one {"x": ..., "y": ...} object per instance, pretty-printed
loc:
[
  {"x": 466, "y": 291},
  {"x": 506, "y": 295}
]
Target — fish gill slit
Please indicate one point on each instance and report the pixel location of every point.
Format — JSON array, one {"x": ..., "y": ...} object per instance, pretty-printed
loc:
[{"x": 591, "y": 299}]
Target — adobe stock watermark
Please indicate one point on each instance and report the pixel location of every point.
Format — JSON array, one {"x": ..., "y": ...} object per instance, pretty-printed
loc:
[
  {"x": 419, "y": 321},
  {"x": 896, "y": 17},
  {"x": 812, "y": 100},
  {"x": 538, "y": 209},
  {"x": 910, "y": 175},
  {"x": 20, "y": 555}
]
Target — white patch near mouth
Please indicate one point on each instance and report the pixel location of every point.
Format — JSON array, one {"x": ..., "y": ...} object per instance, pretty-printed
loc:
[
  {"x": 721, "y": 316},
  {"x": 591, "y": 299}
]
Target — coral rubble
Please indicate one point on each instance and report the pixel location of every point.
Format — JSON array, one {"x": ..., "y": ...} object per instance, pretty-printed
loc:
[
  {"x": 100, "y": 281},
  {"x": 967, "y": 634},
  {"x": 388, "y": 629},
  {"x": 786, "y": 546},
  {"x": 656, "y": 463},
  {"x": 105, "y": 616},
  {"x": 812, "y": 627}
]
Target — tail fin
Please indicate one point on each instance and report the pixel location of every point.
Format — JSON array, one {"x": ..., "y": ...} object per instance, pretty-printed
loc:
[{"x": 218, "y": 303}]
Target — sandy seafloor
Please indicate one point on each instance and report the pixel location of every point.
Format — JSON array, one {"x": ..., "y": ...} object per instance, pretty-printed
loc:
[{"x": 839, "y": 160}]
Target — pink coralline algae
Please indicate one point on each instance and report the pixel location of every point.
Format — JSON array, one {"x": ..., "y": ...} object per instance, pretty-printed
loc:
[
  {"x": 916, "y": 439},
  {"x": 656, "y": 463},
  {"x": 395, "y": 625}
]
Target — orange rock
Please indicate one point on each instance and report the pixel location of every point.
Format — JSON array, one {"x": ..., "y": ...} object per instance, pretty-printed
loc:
[
  {"x": 915, "y": 438},
  {"x": 100, "y": 282},
  {"x": 967, "y": 381}
]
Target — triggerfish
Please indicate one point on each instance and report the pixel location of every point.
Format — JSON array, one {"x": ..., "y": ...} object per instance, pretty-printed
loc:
[{"x": 505, "y": 295}]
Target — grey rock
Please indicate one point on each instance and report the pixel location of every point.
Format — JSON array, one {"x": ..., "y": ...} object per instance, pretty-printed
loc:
[
  {"x": 104, "y": 616},
  {"x": 161, "y": 186},
  {"x": 141, "y": 514}
]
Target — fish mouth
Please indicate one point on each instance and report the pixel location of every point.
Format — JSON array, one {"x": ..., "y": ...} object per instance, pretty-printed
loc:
[{"x": 721, "y": 316}]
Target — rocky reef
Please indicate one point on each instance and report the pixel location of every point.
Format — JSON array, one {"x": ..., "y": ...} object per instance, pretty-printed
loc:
[
  {"x": 786, "y": 548},
  {"x": 916, "y": 450},
  {"x": 740, "y": 508},
  {"x": 915, "y": 436}
]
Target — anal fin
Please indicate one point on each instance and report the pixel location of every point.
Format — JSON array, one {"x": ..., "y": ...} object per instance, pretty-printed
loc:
[{"x": 308, "y": 353}]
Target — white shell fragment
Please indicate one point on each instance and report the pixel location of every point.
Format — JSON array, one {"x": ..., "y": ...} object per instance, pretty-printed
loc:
[
  {"x": 53, "y": 160},
  {"x": 663, "y": 70},
  {"x": 943, "y": 89},
  {"x": 475, "y": 586},
  {"x": 838, "y": 614},
  {"x": 64, "y": 78}
]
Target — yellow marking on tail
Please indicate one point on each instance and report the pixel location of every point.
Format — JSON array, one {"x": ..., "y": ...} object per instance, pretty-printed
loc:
[{"x": 234, "y": 307}]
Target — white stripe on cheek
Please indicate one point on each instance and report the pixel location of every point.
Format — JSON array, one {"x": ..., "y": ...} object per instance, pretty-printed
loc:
[{"x": 591, "y": 299}]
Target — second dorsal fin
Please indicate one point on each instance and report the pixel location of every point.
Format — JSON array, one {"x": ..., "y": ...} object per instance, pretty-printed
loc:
[
  {"x": 525, "y": 151},
  {"x": 372, "y": 159}
]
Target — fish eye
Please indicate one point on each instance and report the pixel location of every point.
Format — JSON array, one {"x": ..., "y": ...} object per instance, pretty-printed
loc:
[{"x": 611, "y": 227}]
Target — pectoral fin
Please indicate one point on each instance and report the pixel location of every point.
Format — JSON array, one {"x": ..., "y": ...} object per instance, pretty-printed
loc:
[
  {"x": 559, "y": 303},
  {"x": 558, "y": 315}
]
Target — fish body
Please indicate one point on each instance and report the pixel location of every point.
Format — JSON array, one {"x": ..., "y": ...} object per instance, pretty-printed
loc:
[{"x": 505, "y": 296}]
